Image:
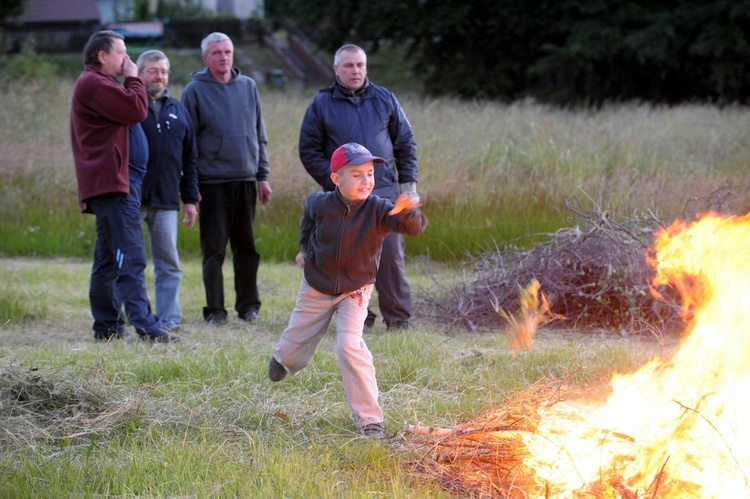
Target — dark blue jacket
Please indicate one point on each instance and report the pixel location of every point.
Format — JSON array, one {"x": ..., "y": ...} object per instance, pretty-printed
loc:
[
  {"x": 138, "y": 154},
  {"x": 372, "y": 117},
  {"x": 172, "y": 164}
]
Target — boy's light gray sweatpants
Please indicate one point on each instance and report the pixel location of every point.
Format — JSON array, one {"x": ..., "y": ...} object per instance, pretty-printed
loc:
[{"x": 308, "y": 325}]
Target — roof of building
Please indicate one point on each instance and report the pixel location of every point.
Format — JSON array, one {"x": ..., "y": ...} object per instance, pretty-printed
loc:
[{"x": 50, "y": 11}]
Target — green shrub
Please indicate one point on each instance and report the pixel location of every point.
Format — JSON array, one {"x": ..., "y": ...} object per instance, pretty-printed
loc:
[{"x": 26, "y": 66}]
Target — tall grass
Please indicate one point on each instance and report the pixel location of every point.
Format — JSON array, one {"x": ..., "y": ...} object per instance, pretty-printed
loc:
[{"x": 489, "y": 172}]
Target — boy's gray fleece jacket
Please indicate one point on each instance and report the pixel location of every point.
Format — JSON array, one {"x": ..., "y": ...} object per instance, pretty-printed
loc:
[
  {"x": 343, "y": 239},
  {"x": 229, "y": 127}
]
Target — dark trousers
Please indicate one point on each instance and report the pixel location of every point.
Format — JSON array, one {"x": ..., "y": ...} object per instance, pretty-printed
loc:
[
  {"x": 118, "y": 276},
  {"x": 394, "y": 293},
  {"x": 227, "y": 214}
]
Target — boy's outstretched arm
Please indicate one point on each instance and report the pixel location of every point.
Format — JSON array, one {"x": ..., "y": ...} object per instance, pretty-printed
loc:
[{"x": 406, "y": 201}]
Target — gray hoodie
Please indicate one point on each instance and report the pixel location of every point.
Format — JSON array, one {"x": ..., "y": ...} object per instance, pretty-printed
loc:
[{"x": 229, "y": 128}]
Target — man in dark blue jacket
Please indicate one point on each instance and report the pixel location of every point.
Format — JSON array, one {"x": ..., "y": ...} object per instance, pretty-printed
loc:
[
  {"x": 172, "y": 175},
  {"x": 352, "y": 109}
]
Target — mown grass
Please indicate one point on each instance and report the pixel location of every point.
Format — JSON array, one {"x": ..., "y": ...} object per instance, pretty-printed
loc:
[{"x": 201, "y": 419}]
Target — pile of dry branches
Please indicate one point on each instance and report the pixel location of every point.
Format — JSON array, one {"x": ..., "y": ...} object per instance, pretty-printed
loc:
[{"x": 595, "y": 274}]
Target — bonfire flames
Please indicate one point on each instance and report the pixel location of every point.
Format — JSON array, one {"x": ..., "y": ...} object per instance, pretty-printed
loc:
[{"x": 677, "y": 428}]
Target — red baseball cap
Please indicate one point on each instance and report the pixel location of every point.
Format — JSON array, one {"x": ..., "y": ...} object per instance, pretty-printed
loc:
[{"x": 352, "y": 154}]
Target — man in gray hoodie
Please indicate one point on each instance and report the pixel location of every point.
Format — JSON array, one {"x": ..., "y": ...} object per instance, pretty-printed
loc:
[{"x": 232, "y": 174}]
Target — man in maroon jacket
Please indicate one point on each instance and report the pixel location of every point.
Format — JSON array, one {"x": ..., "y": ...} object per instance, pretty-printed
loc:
[{"x": 101, "y": 114}]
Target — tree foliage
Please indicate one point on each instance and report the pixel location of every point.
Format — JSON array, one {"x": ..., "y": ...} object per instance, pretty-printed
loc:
[
  {"x": 566, "y": 51},
  {"x": 10, "y": 8}
]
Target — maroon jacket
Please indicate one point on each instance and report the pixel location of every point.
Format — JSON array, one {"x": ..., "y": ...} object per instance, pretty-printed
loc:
[{"x": 101, "y": 112}]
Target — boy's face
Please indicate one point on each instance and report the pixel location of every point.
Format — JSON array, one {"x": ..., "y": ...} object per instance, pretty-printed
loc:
[{"x": 355, "y": 182}]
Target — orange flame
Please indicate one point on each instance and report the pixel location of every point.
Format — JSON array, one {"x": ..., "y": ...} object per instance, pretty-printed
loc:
[{"x": 676, "y": 428}]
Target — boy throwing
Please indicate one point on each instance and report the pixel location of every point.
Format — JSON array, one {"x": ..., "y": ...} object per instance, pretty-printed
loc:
[{"x": 341, "y": 236}]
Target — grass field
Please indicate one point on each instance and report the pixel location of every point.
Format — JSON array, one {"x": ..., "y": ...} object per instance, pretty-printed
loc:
[{"x": 201, "y": 419}]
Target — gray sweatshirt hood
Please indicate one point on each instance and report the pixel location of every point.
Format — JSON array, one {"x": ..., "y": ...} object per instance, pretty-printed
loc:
[{"x": 205, "y": 75}]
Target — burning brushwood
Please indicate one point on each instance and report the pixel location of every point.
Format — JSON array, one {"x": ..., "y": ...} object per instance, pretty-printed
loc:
[
  {"x": 534, "y": 310},
  {"x": 673, "y": 429},
  {"x": 484, "y": 457},
  {"x": 428, "y": 430},
  {"x": 483, "y": 433}
]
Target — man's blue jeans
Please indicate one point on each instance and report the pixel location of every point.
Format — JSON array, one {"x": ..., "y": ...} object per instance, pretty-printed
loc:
[
  {"x": 118, "y": 274},
  {"x": 162, "y": 232}
]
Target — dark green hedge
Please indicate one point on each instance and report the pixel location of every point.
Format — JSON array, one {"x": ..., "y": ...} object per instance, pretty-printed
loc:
[{"x": 565, "y": 51}]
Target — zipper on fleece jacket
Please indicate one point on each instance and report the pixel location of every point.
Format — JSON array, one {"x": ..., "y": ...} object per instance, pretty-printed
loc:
[{"x": 340, "y": 238}]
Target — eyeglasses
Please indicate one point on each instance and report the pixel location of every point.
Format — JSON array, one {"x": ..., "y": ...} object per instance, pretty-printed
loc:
[{"x": 154, "y": 72}]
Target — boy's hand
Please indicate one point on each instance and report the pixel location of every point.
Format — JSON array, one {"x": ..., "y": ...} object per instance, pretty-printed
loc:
[{"x": 406, "y": 201}]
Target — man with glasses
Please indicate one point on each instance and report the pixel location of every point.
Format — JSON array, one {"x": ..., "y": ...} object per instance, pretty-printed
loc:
[{"x": 172, "y": 176}]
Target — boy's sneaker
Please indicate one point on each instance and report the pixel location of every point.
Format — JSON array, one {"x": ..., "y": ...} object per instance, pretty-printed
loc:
[
  {"x": 276, "y": 372},
  {"x": 374, "y": 430}
]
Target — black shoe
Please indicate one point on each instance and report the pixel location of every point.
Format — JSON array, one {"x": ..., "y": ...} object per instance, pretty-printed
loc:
[
  {"x": 398, "y": 325},
  {"x": 104, "y": 336},
  {"x": 374, "y": 430},
  {"x": 276, "y": 372},
  {"x": 160, "y": 338},
  {"x": 369, "y": 323},
  {"x": 216, "y": 319},
  {"x": 250, "y": 316}
]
